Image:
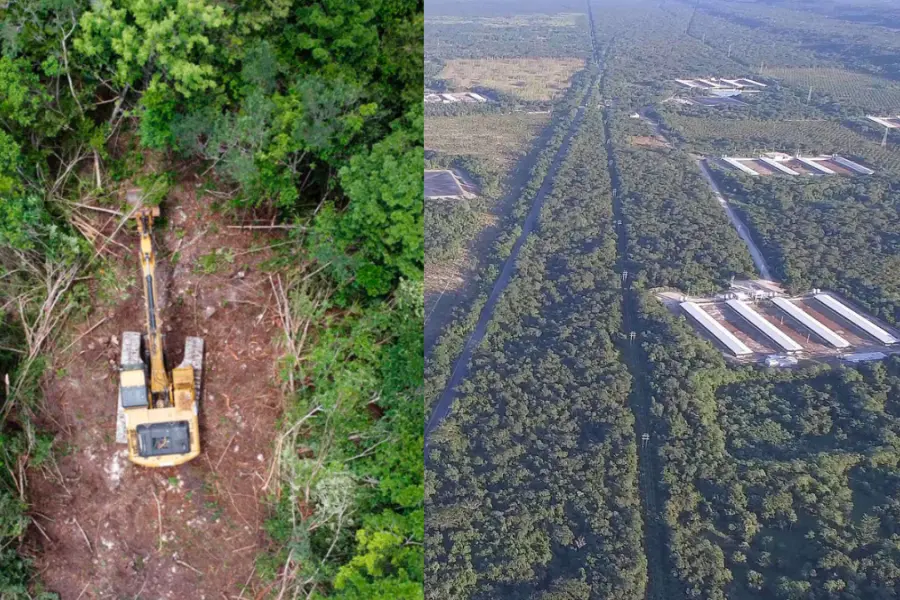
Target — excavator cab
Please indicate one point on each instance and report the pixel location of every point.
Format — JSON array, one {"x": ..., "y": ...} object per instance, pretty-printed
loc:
[{"x": 158, "y": 409}]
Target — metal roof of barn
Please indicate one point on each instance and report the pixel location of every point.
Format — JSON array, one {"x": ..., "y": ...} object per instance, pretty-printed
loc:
[
  {"x": 718, "y": 331},
  {"x": 857, "y": 319},
  {"x": 764, "y": 326},
  {"x": 810, "y": 322}
]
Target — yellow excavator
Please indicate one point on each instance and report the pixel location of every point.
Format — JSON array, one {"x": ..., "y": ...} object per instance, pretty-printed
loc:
[{"x": 158, "y": 410}]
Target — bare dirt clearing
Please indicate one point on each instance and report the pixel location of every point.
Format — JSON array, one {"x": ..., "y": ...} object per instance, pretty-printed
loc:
[
  {"x": 109, "y": 529},
  {"x": 645, "y": 141},
  {"x": 529, "y": 79},
  {"x": 500, "y": 140}
]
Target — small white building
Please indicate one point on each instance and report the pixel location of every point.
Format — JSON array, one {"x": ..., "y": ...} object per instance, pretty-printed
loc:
[{"x": 778, "y": 360}]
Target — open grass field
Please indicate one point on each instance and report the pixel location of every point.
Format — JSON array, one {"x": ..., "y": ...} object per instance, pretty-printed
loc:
[
  {"x": 736, "y": 137},
  {"x": 864, "y": 92},
  {"x": 530, "y": 79},
  {"x": 499, "y": 140}
]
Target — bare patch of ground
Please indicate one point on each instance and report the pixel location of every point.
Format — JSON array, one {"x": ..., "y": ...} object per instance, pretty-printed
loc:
[
  {"x": 500, "y": 140},
  {"x": 760, "y": 167},
  {"x": 837, "y": 168},
  {"x": 445, "y": 276},
  {"x": 450, "y": 275},
  {"x": 109, "y": 529},
  {"x": 548, "y": 20},
  {"x": 646, "y": 141},
  {"x": 530, "y": 79}
]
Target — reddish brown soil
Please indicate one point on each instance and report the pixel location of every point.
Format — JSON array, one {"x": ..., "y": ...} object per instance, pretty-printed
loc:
[
  {"x": 737, "y": 326},
  {"x": 845, "y": 331},
  {"x": 801, "y": 168},
  {"x": 99, "y": 533},
  {"x": 645, "y": 141},
  {"x": 762, "y": 168},
  {"x": 793, "y": 330},
  {"x": 837, "y": 167}
]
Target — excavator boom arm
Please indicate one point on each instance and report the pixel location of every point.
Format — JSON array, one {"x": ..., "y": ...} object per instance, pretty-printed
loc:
[{"x": 159, "y": 378}]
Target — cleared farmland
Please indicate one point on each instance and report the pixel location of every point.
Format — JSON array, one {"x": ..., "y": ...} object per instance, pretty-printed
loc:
[
  {"x": 857, "y": 90},
  {"x": 526, "y": 20},
  {"x": 529, "y": 79},
  {"x": 496, "y": 139},
  {"x": 563, "y": 34}
]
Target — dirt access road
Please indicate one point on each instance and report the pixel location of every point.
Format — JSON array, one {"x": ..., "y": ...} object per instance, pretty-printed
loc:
[
  {"x": 758, "y": 258},
  {"x": 108, "y": 529}
]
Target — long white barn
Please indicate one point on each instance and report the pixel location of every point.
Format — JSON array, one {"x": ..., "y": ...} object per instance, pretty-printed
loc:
[
  {"x": 857, "y": 319},
  {"x": 810, "y": 322},
  {"x": 728, "y": 339},
  {"x": 764, "y": 326}
]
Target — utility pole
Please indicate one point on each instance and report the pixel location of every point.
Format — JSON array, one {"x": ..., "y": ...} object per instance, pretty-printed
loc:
[
  {"x": 729, "y": 50},
  {"x": 884, "y": 139},
  {"x": 809, "y": 96}
]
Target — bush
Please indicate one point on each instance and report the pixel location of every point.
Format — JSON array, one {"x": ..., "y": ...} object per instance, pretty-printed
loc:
[{"x": 382, "y": 227}]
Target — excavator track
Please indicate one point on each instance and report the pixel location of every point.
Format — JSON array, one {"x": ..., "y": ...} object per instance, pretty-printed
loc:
[
  {"x": 193, "y": 356},
  {"x": 131, "y": 355}
]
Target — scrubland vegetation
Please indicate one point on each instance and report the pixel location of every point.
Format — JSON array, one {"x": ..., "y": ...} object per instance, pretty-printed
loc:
[{"x": 498, "y": 141}]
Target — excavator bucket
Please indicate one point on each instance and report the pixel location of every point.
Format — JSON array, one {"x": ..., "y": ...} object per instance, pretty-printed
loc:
[{"x": 135, "y": 197}]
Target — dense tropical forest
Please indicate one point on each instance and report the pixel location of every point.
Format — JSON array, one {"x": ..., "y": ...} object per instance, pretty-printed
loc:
[
  {"x": 780, "y": 483},
  {"x": 774, "y": 483},
  {"x": 551, "y": 362},
  {"x": 306, "y": 112},
  {"x": 739, "y": 482},
  {"x": 679, "y": 236}
]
